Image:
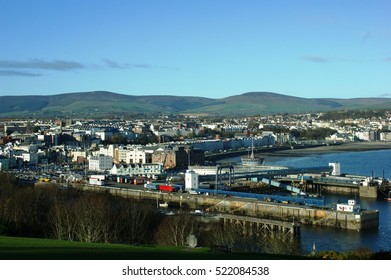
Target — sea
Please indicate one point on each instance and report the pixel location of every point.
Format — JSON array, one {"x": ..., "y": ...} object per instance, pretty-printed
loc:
[{"x": 367, "y": 163}]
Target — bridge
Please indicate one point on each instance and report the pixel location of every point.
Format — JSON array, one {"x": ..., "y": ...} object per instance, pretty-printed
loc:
[{"x": 254, "y": 225}]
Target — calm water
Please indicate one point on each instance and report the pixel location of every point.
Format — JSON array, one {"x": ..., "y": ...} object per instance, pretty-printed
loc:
[{"x": 359, "y": 163}]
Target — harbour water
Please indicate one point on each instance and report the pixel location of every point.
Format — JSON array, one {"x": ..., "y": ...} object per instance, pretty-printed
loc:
[{"x": 366, "y": 163}]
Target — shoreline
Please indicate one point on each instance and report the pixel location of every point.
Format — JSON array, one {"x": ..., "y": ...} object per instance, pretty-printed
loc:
[{"x": 327, "y": 149}]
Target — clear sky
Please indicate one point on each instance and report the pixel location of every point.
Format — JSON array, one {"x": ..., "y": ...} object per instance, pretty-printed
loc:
[{"x": 210, "y": 48}]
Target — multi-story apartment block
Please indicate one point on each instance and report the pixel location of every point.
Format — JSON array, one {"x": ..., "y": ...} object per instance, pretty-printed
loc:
[
  {"x": 120, "y": 154},
  {"x": 108, "y": 151},
  {"x": 176, "y": 157},
  {"x": 100, "y": 163},
  {"x": 76, "y": 155},
  {"x": 140, "y": 156},
  {"x": 31, "y": 158}
]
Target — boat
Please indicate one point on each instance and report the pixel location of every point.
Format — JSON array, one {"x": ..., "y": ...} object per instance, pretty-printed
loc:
[{"x": 252, "y": 160}]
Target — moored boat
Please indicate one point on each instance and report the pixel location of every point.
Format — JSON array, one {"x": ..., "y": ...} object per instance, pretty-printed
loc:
[{"x": 252, "y": 160}]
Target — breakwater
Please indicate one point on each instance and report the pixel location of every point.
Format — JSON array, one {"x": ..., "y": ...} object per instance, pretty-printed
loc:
[{"x": 324, "y": 217}]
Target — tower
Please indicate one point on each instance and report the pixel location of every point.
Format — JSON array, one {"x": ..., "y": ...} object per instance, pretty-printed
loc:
[{"x": 191, "y": 180}]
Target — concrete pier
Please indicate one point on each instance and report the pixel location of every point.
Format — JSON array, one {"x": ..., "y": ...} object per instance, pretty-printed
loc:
[
  {"x": 324, "y": 185},
  {"x": 254, "y": 225},
  {"x": 255, "y": 208}
]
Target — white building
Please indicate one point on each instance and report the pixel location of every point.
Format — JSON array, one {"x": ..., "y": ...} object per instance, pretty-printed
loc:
[
  {"x": 191, "y": 180},
  {"x": 109, "y": 151},
  {"x": 103, "y": 134},
  {"x": 152, "y": 169},
  {"x": 31, "y": 158},
  {"x": 336, "y": 168},
  {"x": 78, "y": 153},
  {"x": 385, "y": 136},
  {"x": 139, "y": 156},
  {"x": 341, "y": 137},
  {"x": 147, "y": 169},
  {"x": 100, "y": 163}
]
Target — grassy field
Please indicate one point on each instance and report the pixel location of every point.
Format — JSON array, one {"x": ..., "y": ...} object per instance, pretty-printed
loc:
[{"x": 17, "y": 248}]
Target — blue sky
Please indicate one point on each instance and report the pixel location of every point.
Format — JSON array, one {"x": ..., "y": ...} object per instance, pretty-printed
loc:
[{"x": 209, "y": 48}]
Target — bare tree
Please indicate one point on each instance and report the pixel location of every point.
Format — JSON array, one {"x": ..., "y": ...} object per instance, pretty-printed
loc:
[
  {"x": 174, "y": 230},
  {"x": 92, "y": 218},
  {"x": 62, "y": 218},
  {"x": 135, "y": 221}
]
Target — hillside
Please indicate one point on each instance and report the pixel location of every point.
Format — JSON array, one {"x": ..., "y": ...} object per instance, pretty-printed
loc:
[
  {"x": 103, "y": 103},
  {"x": 96, "y": 103}
]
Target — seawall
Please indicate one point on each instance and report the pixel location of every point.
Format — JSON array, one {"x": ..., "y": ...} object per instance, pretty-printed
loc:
[{"x": 252, "y": 207}]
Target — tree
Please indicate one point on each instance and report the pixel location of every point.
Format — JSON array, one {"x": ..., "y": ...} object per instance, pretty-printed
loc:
[
  {"x": 92, "y": 218},
  {"x": 117, "y": 138},
  {"x": 135, "y": 222},
  {"x": 62, "y": 218},
  {"x": 174, "y": 230}
]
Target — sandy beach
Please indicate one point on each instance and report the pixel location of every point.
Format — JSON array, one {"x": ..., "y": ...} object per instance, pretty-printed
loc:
[{"x": 347, "y": 147}]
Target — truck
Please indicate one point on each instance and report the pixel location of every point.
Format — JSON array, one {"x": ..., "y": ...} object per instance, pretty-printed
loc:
[{"x": 167, "y": 188}]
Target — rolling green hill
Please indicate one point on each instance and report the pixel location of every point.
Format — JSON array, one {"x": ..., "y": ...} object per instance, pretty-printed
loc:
[{"x": 103, "y": 103}]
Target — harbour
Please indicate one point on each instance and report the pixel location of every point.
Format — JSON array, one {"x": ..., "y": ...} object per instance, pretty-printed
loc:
[
  {"x": 375, "y": 234},
  {"x": 252, "y": 207},
  {"x": 365, "y": 163}
]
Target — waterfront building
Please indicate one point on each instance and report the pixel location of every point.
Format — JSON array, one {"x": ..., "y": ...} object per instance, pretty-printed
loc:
[
  {"x": 100, "y": 163},
  {"x": 147, "y": 169},
  {"x": 385, "y": 136},
  {"x": 336, "y": 168},
  {"x": 191, "y": 180}
]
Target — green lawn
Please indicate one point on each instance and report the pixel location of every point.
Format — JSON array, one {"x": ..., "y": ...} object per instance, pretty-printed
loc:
[{"x": 17, "y": 248}]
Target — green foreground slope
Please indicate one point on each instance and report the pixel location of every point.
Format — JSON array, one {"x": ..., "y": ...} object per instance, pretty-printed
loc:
[{"x": 18, "y": 248}]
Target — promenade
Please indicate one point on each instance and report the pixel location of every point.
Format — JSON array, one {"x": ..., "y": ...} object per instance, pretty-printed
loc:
[{"x": 327, "y": 149}]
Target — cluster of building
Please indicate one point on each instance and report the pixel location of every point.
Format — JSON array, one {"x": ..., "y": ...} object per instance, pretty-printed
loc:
[
  {"x": 169, "y": 142},
  {"x": 348, "y": 129},
  {"x": 89, "y": 145}
]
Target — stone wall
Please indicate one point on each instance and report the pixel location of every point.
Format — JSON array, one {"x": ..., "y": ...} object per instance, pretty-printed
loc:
[{"x": 256, "y": 208}]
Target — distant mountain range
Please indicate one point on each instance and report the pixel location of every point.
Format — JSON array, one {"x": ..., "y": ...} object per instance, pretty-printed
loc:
[{"x": 103, "y": 103}]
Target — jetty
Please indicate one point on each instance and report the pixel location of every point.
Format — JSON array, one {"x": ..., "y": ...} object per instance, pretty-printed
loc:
[{"x": 250, "y": 207}]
